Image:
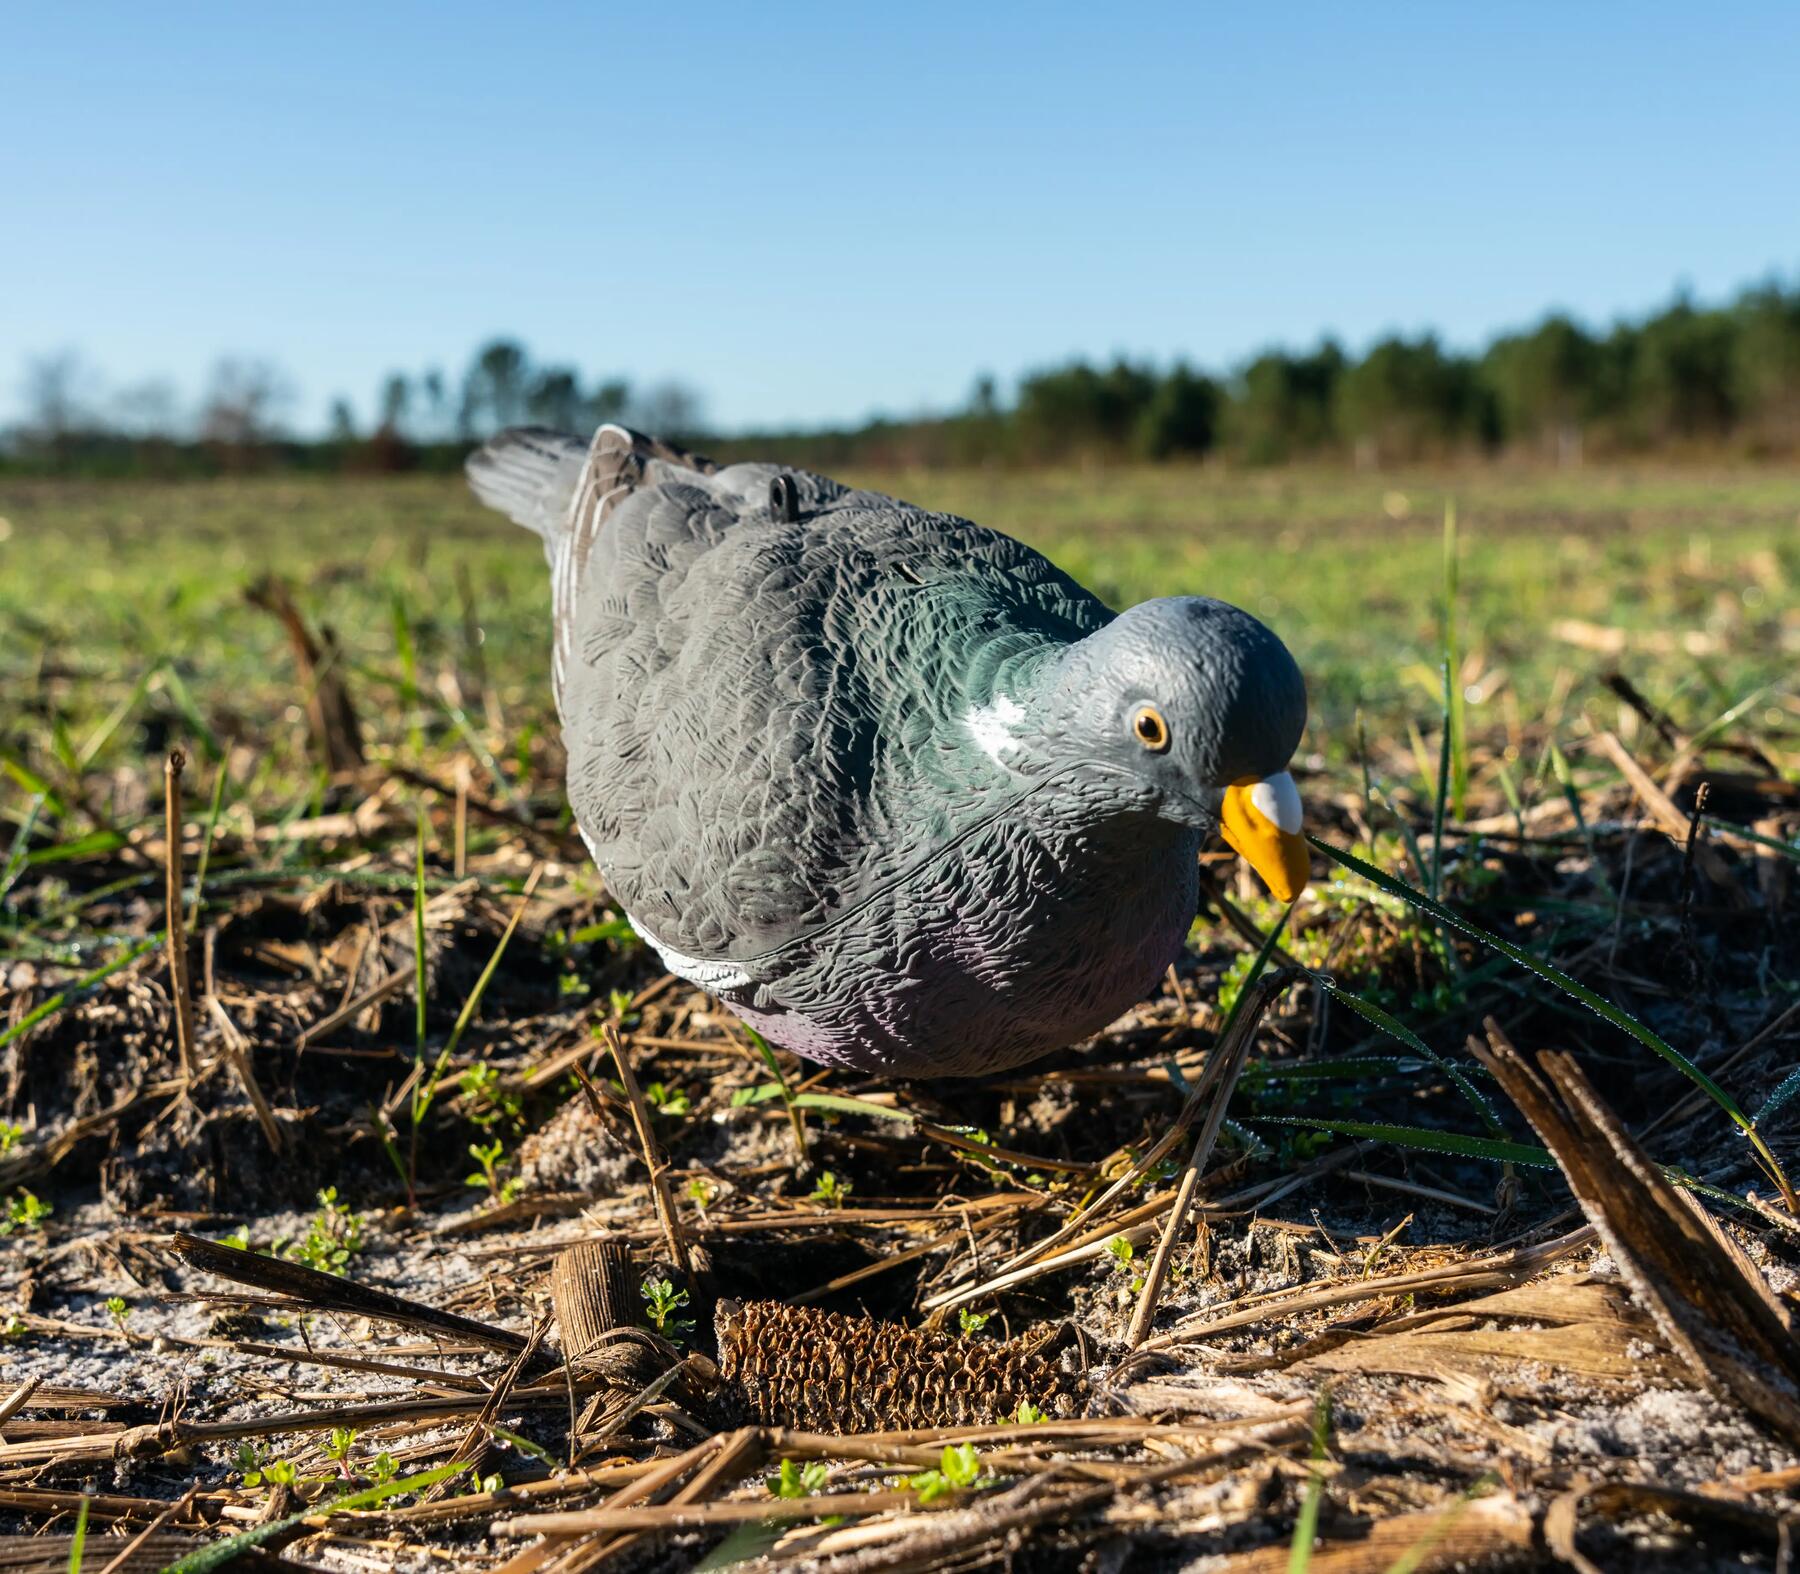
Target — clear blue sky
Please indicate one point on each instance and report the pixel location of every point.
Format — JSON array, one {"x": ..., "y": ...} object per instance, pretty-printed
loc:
[{"x": 814, "y": 211}]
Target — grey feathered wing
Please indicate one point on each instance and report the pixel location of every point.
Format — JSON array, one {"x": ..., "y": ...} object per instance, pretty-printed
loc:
[{"x": 764, "y": 715}]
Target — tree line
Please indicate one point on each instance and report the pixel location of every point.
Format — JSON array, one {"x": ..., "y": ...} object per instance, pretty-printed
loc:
[
  {"x": 242, "y": 419},
  {"x": 1686, "y": 378}
]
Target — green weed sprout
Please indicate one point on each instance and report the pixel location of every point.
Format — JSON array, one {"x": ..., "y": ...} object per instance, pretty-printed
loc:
[
  {"x": 491, "y": 1159},
  {"x": 666, "y": 1100},
  {"x": 489, "y": 1102},
  {"x": 661, "y": 1302},
  {"x": 339, "y": 1442},
  {"x": 796, "y": 1481},
  {"x": 1123, "y": 1254},
  {"x": 25, "y": 1210},
  {"x": 958, "y": 1468},
  {"x": 333, "y": 1236},
  {"x": 258, "y": 1468},
  {"x": 829, "y": 1190}
]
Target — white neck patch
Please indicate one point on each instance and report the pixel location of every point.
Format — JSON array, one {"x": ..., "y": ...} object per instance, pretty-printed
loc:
[
  {"x": 1278, "y": 799},
  {"x": 992, "y": 727}
]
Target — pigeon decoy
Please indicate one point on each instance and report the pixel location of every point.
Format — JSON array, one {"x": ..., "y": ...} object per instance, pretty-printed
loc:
[{"x": 890, "y": 785}]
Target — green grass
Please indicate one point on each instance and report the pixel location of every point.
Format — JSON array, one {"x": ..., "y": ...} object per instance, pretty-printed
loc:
[{"x": 109, "y": 586}]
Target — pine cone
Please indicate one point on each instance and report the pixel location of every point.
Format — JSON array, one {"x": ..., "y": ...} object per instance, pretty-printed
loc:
[{"x": 826, "y": 1372}]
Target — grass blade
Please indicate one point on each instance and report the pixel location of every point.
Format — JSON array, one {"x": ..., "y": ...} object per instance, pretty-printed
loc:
[
  {"x": 1257, "y": 966},
  {"x": 458, "y": 718},
  {"x": 1547, "y": 971},
  {"x": 101, "y": 735},
  {"x": 206, "y": 842},
  {"x": 787, "y": 1094},
  {"x": 1788, "y": 1087},
  {"x": 409, "y": 676},
  {"x": 33, "y": 783},
  {"x": 1452, "y": 1144},
  {"x": 1510, "y": 787},
  {"x": 1440, "y": 940},
  {"x": 419, "y": 939},
  {"x": 1456, "y": 728},
  {"x": 1306, "y": 1524},
  {"x": 95, "y": 844},
  {"x": 1409, "y": 1560},
  {"x": 466, "y": 1015},
  {"x": 15, "y": 856},
  {"x": 175, "y": 686},
  {"x": 1440, "y": 800},
  {"x": 1368, "y": 782},
  {"x": 1774, "y": 844},
  {"x": 1404, "y": 826},
  {"x": 1565, "y": 779},
  {"x": 1555, "y": 976},
  {"x": 1421, "y": 756},
  {"x": 1723, "y": 721},
  {"x": 81, "y": 985},
  {"x": 78, "y": 1542},
  {"x": 1401, "y": 1033},
  {"x": 615, "y": 929},
  {"x": 1457, "y": 1145},
  {"x": 843, "y": 1104},
  {"x": 425, "y": 1087}
]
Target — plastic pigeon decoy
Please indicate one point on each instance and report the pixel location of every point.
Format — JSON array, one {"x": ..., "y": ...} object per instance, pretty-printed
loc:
[{"x": 890, "y": 785}]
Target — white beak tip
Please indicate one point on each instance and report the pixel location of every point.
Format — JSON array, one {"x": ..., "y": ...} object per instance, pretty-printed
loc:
[{"x": 1277, "y": 797}]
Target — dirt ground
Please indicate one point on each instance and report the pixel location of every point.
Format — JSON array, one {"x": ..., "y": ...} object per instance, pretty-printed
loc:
[{"x": 1461, "y": 1410}]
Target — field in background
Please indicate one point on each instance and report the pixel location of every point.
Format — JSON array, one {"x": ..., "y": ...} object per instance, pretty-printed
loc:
[{"x": 1682, "y": 578}]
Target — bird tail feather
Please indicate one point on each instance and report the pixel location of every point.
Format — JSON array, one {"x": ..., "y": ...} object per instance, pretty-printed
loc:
[
  {"x": 530, "y": 474},
  {"x": 564, "y": 489}
]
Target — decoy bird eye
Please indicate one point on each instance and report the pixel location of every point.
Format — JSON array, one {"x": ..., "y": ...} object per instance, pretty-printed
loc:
[{"x": 1149, "y": 728}]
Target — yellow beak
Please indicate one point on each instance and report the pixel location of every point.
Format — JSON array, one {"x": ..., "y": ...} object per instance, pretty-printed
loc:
[{"x": 1261, "y": 821}]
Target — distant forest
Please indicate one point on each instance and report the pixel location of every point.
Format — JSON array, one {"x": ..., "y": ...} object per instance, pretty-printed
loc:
[{"x": 1687, "y": 379}]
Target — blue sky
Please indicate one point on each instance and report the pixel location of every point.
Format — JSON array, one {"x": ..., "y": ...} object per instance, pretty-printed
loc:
[{"x": 810, "y": 212}]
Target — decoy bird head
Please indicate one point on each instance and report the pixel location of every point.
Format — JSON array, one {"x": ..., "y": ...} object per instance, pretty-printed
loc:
[{"x": 1200, "y": 707}]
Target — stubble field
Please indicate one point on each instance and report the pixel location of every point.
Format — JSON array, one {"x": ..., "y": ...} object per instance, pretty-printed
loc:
[{"x": 1424, "y": 1299}]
